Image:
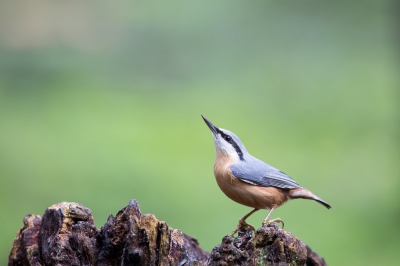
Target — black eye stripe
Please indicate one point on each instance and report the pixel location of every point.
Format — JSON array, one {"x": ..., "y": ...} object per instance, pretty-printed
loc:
[{"x": 230, "y": 140}]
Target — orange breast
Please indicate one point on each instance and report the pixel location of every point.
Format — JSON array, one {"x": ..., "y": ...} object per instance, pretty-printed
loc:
[{"x": 244, "y": 193}]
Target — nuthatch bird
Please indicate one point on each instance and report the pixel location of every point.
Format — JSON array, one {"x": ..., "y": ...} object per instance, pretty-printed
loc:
[{"x": 251, "y": 182}]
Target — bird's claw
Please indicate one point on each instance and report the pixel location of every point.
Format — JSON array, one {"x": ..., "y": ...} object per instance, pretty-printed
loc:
[
  {"x": 241, "y": 224},
  {"x": 277, "y": 220}
]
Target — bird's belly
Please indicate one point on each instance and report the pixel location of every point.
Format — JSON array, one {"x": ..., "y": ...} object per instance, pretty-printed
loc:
[{"x": 247, "y": 194}]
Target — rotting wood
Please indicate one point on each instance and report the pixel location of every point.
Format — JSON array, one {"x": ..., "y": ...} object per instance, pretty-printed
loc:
[{"x": 66, "y": 235}]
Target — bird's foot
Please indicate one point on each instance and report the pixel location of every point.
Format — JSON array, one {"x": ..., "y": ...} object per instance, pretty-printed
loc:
[
  {"x": 241, "y": 224},
  {"x": 277, "y": 220}
]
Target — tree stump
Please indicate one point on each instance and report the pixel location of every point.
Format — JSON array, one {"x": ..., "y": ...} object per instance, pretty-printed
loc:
[{"x": 66, "y": 235}]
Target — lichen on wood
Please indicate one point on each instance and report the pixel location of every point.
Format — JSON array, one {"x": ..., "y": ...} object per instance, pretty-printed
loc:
[{"x": 270, "y": 245}]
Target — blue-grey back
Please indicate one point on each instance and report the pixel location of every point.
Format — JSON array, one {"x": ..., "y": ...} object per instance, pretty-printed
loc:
[{"x": 257, "y": 172}]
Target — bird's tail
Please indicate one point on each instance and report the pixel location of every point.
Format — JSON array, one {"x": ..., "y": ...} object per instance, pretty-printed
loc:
[{"x": 302, "y": 193}]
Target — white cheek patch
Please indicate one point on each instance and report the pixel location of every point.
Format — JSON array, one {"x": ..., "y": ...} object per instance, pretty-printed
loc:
[{"x": 226, "y": 147}]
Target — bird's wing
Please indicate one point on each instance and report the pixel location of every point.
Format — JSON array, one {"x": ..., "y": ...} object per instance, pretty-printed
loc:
[
  {"x": 280, "y": 179},
  {"x": 259, "y": 173}
]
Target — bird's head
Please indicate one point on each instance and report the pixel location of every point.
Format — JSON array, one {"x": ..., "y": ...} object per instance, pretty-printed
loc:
[{"x": 226, "y": 142}]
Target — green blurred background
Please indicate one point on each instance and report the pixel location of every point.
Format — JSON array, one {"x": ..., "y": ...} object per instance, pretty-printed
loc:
[{"x": 100, "y": 103}]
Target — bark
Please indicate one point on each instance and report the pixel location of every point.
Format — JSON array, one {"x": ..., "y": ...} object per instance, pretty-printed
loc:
[{"x": 66, "y": 235}]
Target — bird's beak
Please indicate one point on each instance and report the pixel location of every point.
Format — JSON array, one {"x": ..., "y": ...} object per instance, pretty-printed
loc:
[{"x": 210, "y": 125}]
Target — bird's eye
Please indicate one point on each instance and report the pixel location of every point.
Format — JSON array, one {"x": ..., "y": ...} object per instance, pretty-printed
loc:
[{"x": 228, "y": 138}]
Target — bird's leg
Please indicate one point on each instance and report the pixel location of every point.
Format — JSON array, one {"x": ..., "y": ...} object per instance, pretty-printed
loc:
[
  {"x": 243, "y": 222},
  {"x": 277, "y": 220}
]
